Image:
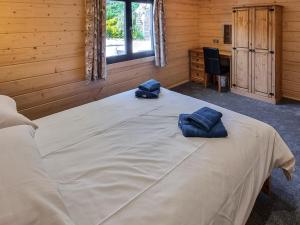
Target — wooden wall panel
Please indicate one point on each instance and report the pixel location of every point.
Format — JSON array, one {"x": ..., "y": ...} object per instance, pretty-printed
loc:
[
  {"x": 214, "y": 13},
  {"x": 42, "y": 54}
]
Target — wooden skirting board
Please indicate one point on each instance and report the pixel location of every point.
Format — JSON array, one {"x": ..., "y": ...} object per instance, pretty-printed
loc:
[{"x": 178, "y": 84}]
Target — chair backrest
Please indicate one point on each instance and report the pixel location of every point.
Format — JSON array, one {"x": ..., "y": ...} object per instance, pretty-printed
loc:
[{"x": 212, "y": 61}]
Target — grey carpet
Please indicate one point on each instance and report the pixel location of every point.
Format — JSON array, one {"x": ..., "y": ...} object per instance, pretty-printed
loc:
[{"x": 284, "y": 206}]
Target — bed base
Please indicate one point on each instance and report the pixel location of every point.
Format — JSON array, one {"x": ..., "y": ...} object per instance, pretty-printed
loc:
[{"x": 267, "y": 187}]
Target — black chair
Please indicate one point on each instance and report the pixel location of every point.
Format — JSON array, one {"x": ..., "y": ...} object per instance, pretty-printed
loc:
[{"x": 215, "y": 66}]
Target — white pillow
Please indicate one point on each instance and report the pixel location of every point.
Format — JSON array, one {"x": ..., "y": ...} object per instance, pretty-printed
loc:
[
  {"x": 27, "y": 194},
  {"x": 9, "y": 116},
  {"x": 9, "y": 102}
]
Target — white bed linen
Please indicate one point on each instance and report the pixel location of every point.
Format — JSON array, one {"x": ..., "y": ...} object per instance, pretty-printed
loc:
[
  {"x": 27, "y": 195},
  {"x": 124, "y": 161}
]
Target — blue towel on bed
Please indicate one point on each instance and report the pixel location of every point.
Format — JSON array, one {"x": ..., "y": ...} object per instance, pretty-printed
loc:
[
  {"x": 189, "y": 130},
  {"x": 147, "y": 94},
  {"x": 150, "y": 85},
  {"x": 205, "y": 118}
]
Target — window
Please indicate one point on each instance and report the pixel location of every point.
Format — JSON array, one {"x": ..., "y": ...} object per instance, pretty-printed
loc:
[{"x": 129, "y": 32}]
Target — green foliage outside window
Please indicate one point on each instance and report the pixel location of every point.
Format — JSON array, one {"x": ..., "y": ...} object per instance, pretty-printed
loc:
[
  {"x": 115, "y": 20},
  {"x": 113, "y": 28},
  {"x": 137, "y": 34}
]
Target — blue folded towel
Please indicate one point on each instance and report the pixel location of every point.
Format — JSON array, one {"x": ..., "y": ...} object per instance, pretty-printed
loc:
[
  {"x": 205, "y": 118},
  {"x": 150, "y": 85},
  {"x": 188, "y": 130},
  {"x": 147, "y": 94}
]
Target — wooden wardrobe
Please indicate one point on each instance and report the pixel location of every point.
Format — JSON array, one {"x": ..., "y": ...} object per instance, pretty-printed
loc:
[{"x": 256, "y": 52}]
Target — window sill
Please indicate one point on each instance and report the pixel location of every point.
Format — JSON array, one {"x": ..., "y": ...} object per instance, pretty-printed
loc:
[{"x": 130, "y": 62}]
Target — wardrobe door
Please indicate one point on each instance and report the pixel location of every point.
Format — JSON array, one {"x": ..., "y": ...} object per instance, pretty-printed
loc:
[
  {"x": 261, "y": 51},
  {"x": 241, "y": 56},
  {"x": 241, "y": 28},
  {"x": 241, "y": 70}
]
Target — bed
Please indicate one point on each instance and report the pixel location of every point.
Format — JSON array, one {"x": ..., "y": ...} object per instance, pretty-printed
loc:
[{"x": 124, "y": 161}]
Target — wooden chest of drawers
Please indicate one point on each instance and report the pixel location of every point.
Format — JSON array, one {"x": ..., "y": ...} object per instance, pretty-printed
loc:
[{"x": 197, "y": 72}]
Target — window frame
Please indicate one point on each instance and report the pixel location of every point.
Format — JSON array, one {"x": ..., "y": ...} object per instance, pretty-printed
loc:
[{"x": 128, "y": 35}]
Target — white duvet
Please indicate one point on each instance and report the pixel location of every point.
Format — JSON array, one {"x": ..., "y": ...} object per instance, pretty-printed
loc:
[{"x": 124, "y": 161}]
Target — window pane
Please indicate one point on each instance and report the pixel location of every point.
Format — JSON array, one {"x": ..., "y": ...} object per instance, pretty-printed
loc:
[
  {"x": 115, "y": 28},
  {"x": 141, "y": 27}
]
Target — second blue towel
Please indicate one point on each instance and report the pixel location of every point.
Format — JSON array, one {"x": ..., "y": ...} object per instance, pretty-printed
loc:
[
  {"x": 205, "y": 118},
  {"x": 188, "y": 130},
  {"x": 150, "y": 85},
  {"x": 147, "y": 94}
]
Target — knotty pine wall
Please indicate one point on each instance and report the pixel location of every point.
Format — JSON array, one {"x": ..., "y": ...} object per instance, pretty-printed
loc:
[
  {"x": 214, "y": 13},
  {"x": 42, "y": 54}
]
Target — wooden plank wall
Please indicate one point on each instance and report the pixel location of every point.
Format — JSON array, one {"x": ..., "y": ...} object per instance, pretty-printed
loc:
[
  {"x": 42, "y": 54},
  {"x": 215, "y": 13}
]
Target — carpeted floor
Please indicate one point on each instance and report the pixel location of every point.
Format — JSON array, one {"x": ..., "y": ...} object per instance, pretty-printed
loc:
[{"x": 284, "y": 206}]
